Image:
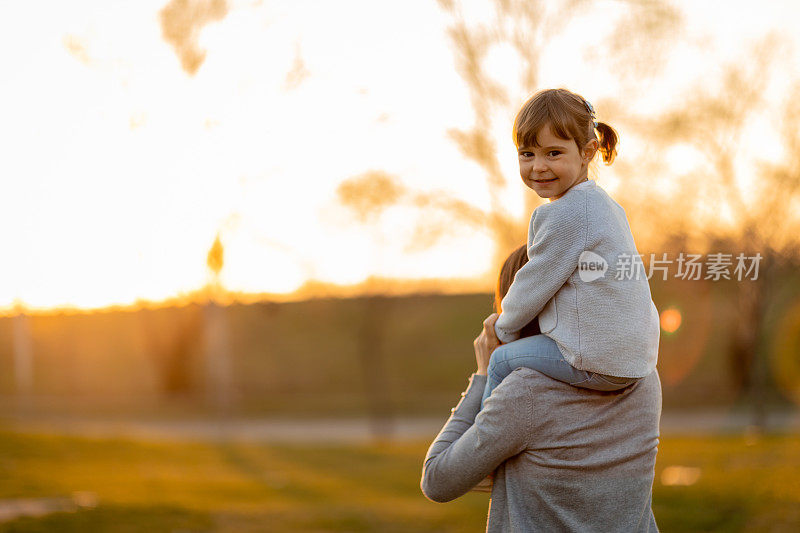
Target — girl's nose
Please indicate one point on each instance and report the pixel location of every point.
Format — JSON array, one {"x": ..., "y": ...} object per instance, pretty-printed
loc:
[{"x": 539, "y": 165}]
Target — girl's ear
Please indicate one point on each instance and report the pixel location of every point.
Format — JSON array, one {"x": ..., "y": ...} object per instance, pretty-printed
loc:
[{"x": 590, "y": 149}]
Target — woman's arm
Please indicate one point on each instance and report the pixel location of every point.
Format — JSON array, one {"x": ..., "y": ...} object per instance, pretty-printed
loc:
[
  {"x": 468, "y": 448},
  {"x": 471, "y": 445}
]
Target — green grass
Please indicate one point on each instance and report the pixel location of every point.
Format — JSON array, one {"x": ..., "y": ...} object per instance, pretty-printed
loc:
[{"x": 149, "y": 486}]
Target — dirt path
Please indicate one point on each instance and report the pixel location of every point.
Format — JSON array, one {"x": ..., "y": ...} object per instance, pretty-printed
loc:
[
  {"x": 13, "y": 508},
  {"x": 352, "y": 430}
]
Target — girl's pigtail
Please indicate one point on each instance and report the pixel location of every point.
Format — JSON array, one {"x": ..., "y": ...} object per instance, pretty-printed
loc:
[{"x": 607, "y": 138}]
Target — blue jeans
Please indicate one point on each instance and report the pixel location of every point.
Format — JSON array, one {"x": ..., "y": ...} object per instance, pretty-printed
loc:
[{"x": 541, "y": 353}]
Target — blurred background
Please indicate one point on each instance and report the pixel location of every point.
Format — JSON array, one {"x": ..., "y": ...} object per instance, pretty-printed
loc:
[{"x": 248, "y": 244}]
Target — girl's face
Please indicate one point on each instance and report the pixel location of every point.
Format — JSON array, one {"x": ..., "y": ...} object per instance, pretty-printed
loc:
[{"x": 556, "y": 165}]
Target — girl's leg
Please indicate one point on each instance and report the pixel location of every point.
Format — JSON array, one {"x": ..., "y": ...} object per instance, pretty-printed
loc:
[
  {"x": 538, "y": 352},
  {"x": 541, "y": 353}
]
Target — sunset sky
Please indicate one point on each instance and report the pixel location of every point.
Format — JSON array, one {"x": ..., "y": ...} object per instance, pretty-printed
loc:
[{"x": 120, "y": 167}]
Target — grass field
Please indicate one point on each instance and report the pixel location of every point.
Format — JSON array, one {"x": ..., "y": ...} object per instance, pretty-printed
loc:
[{"x": 738, "y": 484}]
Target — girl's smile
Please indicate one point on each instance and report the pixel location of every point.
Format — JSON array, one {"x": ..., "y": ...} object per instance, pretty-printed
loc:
[{"x": 555, "y": 165}]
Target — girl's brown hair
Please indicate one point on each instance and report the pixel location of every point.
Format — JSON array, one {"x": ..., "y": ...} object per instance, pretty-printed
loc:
[
  {"x": 514, "y": 262},
  {"x": 570, "y": 117}
]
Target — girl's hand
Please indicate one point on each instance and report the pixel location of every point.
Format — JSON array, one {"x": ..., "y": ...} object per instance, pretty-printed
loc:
[{"x": 485, "y": 344}]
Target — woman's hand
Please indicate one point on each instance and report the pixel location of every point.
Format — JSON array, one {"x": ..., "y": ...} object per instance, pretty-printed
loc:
[{"x": 485, "y": 344}]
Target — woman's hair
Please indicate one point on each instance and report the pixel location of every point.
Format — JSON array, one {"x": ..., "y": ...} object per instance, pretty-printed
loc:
[
  {"x": 570, "y": 117},
  {"x": 514, "y": 262}
]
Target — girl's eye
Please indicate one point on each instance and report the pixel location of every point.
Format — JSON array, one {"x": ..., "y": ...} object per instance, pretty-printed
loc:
[
  {"x": 553, "y": 153},
  {"x": 526, "y": 154}
]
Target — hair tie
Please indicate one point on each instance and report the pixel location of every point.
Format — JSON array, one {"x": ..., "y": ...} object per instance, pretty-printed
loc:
[{"x": 590, "y": 109}]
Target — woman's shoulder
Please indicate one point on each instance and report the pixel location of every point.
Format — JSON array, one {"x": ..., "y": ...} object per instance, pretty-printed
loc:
[
  {"x": 514, "y": 387},
  {"x": 546, "y": 411},
  {"x": 526, "y": 381}
]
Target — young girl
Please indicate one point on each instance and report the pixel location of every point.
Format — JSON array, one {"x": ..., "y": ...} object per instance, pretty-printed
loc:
[{"x": 583, "y": 279}]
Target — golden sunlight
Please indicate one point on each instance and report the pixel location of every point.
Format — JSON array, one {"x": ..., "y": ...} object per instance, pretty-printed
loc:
[{"x": 140, "y": 132}]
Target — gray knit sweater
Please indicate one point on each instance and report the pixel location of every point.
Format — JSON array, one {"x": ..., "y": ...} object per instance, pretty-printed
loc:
[
  {"x": 585, "y": 282},
  {"x": 567, "y": 459}
]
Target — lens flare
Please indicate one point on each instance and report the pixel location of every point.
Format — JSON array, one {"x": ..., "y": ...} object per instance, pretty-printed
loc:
[
  {"x": 685, "y": 329},
  {"x": 670, "y": 320},
  {"x": 681, "y": 476}
]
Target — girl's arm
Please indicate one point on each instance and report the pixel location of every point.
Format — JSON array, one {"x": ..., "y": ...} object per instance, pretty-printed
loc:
[{"x": 556, "y": 237}]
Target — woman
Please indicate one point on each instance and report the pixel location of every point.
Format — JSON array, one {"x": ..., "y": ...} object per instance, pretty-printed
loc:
[{"x": 565, "y": 458}]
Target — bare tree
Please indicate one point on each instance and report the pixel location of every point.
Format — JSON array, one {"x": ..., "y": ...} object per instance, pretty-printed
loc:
[
  {"x": 712, "y": 118},
  {"x": 22, "y": 347},
  {"x": 367, "y": 196},
  {"x": 181, "y": 22},
  {"x": 764, "y": 223},
  {"x": 524, "y": 27},
  {"x": 171, "y": 338},
  {"x": 216, "y": 335}
]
